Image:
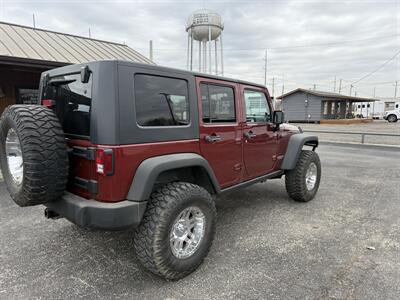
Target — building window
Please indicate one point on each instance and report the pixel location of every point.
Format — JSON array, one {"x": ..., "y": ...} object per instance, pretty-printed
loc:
[
  {"x": 218, "y": 104},
  {"x": 27, "y": 96},
  {"x": 257, "y": 109},
  {"x": 161, "y": 101}
]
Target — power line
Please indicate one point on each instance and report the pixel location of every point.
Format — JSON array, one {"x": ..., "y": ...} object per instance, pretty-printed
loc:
[
  {"x": 294, "y": 47},
  {"x": 377, "y": 69}
]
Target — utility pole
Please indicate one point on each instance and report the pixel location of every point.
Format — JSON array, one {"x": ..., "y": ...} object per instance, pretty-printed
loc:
[
  {"x": 340, "y": 86},
  {"x": 334, "y": 85},
  {"x": 34, "y": 22},
  {"x": 395, "y": 90},
  {"x": 273, "y": 87},
  {"x": 351, "y": 88},
  {"x": 151, "y": 50},
  {"x": 265, "y": 68}
]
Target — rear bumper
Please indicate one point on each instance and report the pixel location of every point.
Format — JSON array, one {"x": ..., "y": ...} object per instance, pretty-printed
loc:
[{"x": 94, "y": 214}]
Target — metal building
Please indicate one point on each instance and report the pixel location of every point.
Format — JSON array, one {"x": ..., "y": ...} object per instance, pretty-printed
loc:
[
  {"x": 26, "y": 52},
  {"x": 301, "y": 105},
  {"x": 205, "y": 27}
]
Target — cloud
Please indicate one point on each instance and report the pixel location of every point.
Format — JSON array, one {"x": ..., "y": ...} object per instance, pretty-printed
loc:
[{"x": 286, "y": 28}]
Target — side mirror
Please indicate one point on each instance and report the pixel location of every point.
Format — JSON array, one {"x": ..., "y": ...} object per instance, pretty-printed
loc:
[
  {"x": 85, "y": 74},
  {"x": 278, "y": 117}
]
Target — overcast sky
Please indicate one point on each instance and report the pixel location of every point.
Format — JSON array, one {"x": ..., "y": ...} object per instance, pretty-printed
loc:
[{"x": 309, "y": 42}]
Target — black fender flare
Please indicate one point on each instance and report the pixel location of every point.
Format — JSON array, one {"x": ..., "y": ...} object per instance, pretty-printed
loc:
[
  {"x": 295, "y": 145},
  {"x": 149, "y": 169}
]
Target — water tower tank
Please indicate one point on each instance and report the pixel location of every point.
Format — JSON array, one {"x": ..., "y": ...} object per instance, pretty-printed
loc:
[
  {"x": 202, "y": 21},
  {"x": 205, "y": 28}
]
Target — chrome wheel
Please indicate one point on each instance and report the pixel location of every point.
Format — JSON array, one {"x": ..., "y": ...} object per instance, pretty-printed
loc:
[
  {"x": 187, "y": 232},
  {"x": 311, "y": 176},
  {"x": 14, "y": 156}
]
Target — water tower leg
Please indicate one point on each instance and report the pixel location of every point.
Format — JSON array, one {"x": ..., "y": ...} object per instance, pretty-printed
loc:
[
  {"x": 188, "y": 51},
  {"x": 209, "y": 50},
  {"x": 191, "y": 51},
  {"x": 204, "y": 56},
  {"x": 222, "y": 56},
  {"x": 216, "y": 57},
  {"x": 199, "y": 56}
]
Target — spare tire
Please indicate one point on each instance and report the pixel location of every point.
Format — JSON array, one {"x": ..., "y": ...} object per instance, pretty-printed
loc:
[{"x": 33, "y": 154}]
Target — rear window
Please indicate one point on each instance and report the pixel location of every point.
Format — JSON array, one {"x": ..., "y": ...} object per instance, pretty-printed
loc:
[
  {"x": 161, "y": 101},
  {"x": 73, "y": 102}
]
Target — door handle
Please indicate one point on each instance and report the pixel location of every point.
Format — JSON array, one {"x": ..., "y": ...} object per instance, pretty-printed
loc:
[
  {"x": 212, "y": 138},
  {"x": 249, "y": 135}
]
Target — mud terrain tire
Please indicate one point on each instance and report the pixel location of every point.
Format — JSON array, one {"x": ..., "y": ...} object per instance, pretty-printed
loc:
[
  {"x": 44, "y": 154},
  {"x": 296, "y": 179},
  {"x": 153, "y": 237}
]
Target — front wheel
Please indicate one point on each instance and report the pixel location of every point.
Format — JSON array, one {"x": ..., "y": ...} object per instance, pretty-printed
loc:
[
  {"x": 302, "y": 182},
  {"x": 176, "y": 231},
  {"x": 392, "y": 118}
]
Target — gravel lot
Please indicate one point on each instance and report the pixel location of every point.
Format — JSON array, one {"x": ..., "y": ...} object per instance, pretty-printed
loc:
[
  {"x": 266, "y": 245},
  {"x": 377, "y": 126}
]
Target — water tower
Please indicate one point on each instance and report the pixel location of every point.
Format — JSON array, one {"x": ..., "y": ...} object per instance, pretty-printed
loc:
[{"x": 205, "y": 27}]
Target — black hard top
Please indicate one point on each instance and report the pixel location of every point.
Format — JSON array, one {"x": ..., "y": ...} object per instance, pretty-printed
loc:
[{"x": 198, "y": 74}]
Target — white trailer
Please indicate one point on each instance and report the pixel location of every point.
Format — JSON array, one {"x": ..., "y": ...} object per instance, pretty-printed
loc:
[{"x": 375, "y": 110}]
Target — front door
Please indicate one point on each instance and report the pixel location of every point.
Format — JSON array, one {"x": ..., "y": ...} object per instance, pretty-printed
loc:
[
  {"x": 220, "y": 132},
  {"x": 260, "y": 141}
]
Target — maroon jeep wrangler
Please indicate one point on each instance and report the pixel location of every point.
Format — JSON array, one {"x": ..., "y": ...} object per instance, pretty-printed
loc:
[{"x": 117, "y": 144}]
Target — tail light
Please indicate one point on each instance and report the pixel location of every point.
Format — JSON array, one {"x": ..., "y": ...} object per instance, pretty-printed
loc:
[
  {"x": 48, "y": 103},
  {"x": 105, "y": 162}
]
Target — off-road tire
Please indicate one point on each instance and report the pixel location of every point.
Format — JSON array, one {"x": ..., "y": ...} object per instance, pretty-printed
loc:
[
  {"x": 392, "y": 118},
  {"x": 295, "y": 180},
  {"x": 44, "y": 153},
  {"x": 152, "y": 237}
]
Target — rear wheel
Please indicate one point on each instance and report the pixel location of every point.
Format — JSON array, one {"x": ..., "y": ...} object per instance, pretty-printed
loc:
[
  {"x": 302, "y": 182},
  {"x": 33, "y": 154},
  {"x": 392, "y": 118},
  {"x": 176, "y": 231}
]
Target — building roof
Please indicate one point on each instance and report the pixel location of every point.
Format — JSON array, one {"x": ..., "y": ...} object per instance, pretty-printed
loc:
[
  {"x": 55, "y": 48},
  {"x": 327, "y": 95}
]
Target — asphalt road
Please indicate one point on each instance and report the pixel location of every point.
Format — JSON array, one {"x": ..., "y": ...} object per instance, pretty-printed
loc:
[{"x": 266, "y": 245}]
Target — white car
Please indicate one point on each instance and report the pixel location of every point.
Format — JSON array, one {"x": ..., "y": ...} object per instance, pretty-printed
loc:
[{"x": 392, "y": 115}]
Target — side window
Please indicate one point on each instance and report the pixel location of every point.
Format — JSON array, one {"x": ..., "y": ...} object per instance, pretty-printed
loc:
[
  {"x": 161, "y": 101},
  {"x": 218, "y": 103},
  {"x": 257, "y": 109}
]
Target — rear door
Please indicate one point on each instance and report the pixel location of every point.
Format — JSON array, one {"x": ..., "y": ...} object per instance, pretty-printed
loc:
[
  {"x": 220, "y": 129},
  {"x": 260, "y": 141}
]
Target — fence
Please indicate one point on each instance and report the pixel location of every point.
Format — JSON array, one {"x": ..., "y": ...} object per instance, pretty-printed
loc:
[{"x": 362, "y": 134}]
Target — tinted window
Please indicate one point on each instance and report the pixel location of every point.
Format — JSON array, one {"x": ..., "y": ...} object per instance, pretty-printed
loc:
[
  {"x": 161, "y": 101},
  {"x": 73, "y": 102},
  {"x": 257, "y": 109},
  {"x": 218, "y": 103}
]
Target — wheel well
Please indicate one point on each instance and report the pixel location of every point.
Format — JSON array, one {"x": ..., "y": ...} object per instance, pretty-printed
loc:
[{"x": 195, "y": 174}]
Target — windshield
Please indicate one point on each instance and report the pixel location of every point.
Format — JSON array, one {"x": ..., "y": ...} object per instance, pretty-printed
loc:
[{"x": 73, "y": 102}]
